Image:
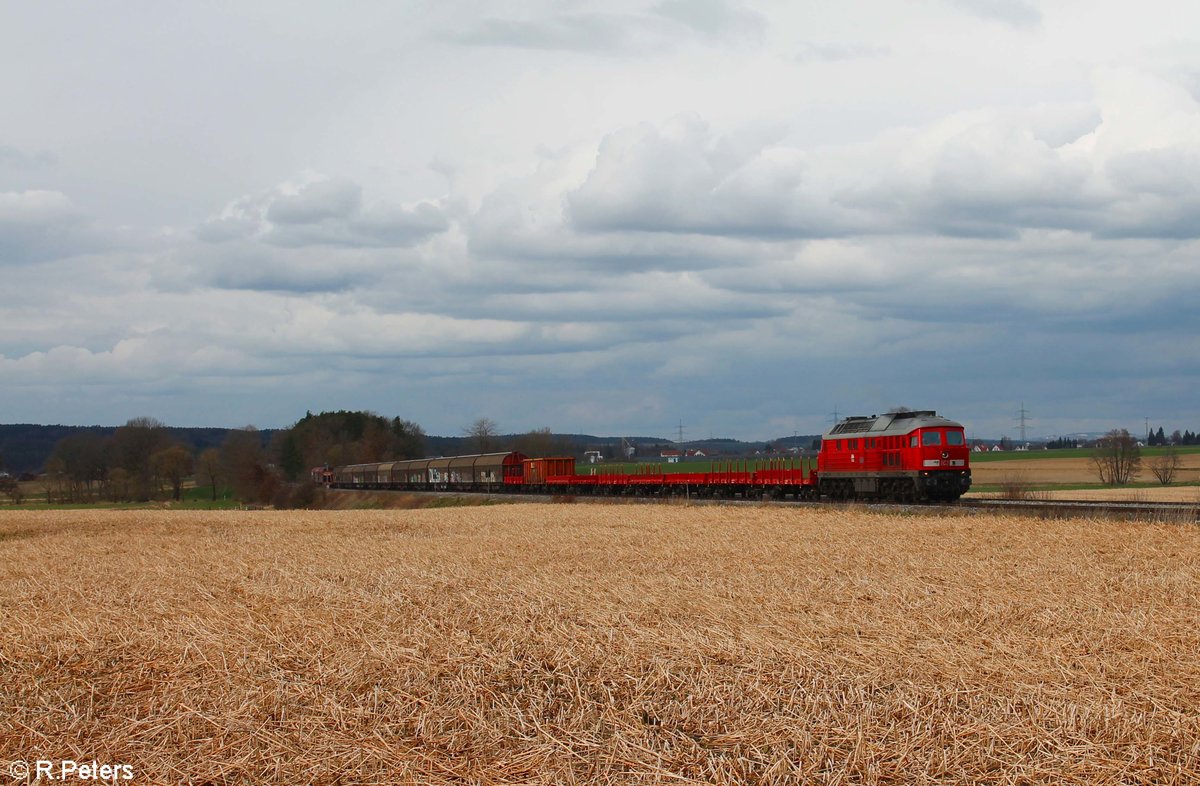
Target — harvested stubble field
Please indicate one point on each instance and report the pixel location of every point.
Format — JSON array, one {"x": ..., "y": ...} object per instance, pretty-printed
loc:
[{"x": 601, "y": 644}]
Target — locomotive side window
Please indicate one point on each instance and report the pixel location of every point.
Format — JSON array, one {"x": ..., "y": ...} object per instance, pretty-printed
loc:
[
  {"x": 931, "y": 438},
  {"x": 954, "y": 438},
  {"x": 912, "y": 443}
]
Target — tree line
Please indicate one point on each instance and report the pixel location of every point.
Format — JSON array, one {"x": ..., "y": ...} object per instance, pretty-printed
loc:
[
  {"x": 1160, "y": 437},
  {"x": 139, "y": 461}
]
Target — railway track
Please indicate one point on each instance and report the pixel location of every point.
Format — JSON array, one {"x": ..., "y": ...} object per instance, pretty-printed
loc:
[{"x": 1173, "y": 512}]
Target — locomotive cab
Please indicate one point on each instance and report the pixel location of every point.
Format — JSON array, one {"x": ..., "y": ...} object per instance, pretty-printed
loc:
[{"x": 942, "y": 456}]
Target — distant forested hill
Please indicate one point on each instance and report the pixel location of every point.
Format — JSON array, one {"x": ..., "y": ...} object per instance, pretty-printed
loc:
[{"x": 25, "y": 447}]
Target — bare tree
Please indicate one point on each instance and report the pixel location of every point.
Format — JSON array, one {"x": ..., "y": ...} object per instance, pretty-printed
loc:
[
  {"x": 1117, "y": 457},
  {"x": 1165, "y": 465},
  {"x": 119, "y": 486},
  {"x": 208, "y": 469},
  {"x": 172, "y": 465},
  {"x": 133, "y": 444},
  {"x": 80, "y": 464},
  {"x": 538, "y": 443},
  {"x": 244, "y": 465},
  {"x": 483, "y": 433},
  {"x": 10, "y": 488}
]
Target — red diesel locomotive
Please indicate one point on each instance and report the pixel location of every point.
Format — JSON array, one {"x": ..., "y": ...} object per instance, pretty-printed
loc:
[
  {"x": 907, "y": 456},
  {"x": 901, "y": 456}
]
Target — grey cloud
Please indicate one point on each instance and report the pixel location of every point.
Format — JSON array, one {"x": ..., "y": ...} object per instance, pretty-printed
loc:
[
  {"x": 36, "y": 226},
  {"x": 325, "y": 199},
  {"x": 575, "y": 33},
  {"x": 1167, "y": 172},
  {"x": 1189, "y": 78},
  {"x": 502, "y": 229},
  {"x": 16, "y": 160},
  {"x": 811, "y": 52},
  {"x": 667, "y": 23},
  {"x": 221, "y": 229},
  {"x": 644, "y": 299},
  {"x": 715, "y": 19},
  {"x": 1017, "y": 13},
  {"x": 384, "y": 227},
  {"x": 249, "y": 265},
  {"x": 1160, "y": 194},
  {"x": 324, "y": 213},
  {"x": 1058, "y": 125}
]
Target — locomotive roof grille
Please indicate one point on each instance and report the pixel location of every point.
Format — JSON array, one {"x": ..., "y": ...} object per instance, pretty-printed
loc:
[
  {"x": 854, "y": 425},
  {"x": 859, "y": 424}
]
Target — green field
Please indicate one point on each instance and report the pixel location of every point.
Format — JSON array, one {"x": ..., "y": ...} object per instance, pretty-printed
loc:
[
  {"x": 1083, "y": 453},
  {"x": 193, "y": 499}
]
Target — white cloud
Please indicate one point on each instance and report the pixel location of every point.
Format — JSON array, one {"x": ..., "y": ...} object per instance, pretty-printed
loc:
[{"x": 1106, "y": 169}]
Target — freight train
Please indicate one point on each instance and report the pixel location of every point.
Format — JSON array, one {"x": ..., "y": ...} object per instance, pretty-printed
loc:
[{"x": 900, "y": 456}]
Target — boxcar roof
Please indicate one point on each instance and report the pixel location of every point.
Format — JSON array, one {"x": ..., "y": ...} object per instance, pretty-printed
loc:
[{"x": 483, "y": 460}]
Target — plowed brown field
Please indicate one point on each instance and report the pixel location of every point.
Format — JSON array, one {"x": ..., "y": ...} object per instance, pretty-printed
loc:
[{"x": 616, "y": 644}]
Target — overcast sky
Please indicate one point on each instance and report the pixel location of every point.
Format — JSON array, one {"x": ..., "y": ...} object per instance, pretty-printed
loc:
[{"x": 602, "y": 217}]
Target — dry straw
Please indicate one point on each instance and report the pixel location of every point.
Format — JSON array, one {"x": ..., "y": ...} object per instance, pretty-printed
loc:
[{"x": 601, "y": 644}]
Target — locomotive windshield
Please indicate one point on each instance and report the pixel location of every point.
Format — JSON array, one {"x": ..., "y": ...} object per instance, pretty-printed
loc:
[
  {"x": 931, "y": 438},
  {"x": 954, "y": 437}
]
